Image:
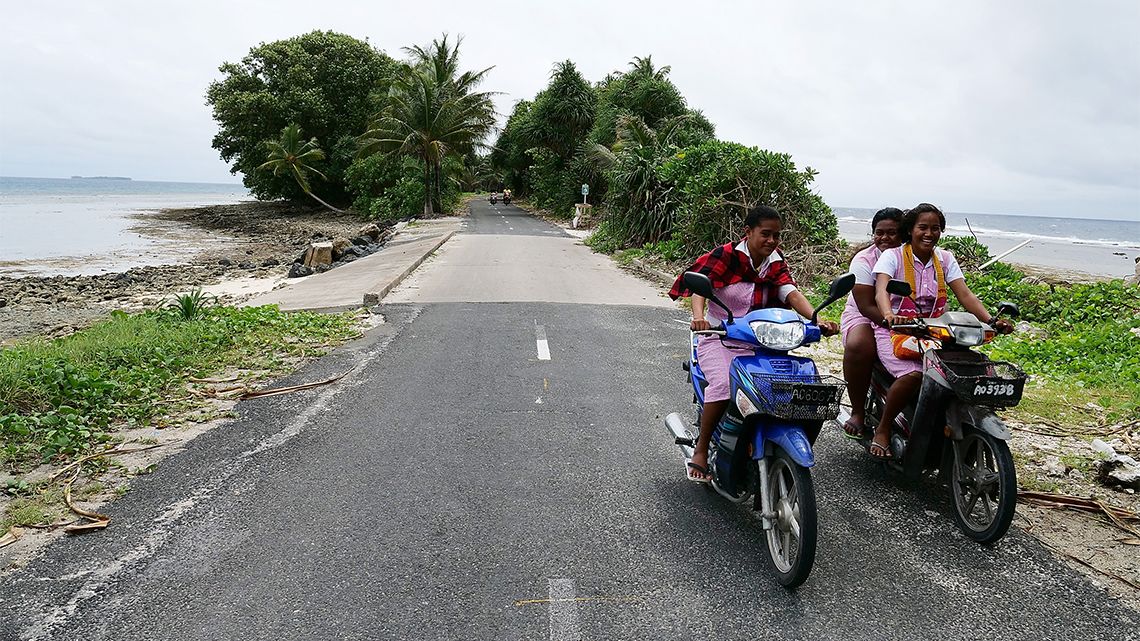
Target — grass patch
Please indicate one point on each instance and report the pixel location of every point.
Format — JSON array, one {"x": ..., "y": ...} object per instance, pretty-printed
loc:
[{"x": 61, "y": 398}]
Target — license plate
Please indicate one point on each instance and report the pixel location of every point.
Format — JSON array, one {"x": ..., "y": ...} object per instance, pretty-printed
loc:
[
  {"x": 994, "y": 388},
  {"x": 813, "y": 394}
]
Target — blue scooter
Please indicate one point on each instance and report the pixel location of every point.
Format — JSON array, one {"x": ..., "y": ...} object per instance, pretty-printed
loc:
[{"x": 762, "y": 448}]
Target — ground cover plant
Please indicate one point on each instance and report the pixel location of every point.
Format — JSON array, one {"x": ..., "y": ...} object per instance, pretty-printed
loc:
[{"x": 62, "y": 398}]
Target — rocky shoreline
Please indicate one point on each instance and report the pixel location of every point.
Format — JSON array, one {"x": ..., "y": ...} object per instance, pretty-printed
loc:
[{"x": 261, "y": 242}]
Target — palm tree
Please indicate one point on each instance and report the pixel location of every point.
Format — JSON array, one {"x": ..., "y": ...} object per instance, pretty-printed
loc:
[
  {"x": 432, "y": 113},
  {"x": 291, "y": 155}
]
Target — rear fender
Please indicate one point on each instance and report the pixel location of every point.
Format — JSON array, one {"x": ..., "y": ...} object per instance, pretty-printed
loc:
[{"x": 787, "y": 436}]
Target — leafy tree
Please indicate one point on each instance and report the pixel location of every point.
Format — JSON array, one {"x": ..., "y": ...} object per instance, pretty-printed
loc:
[
  {"x": 714, "y": 184},
  {"x": 291, "y": 156},
  {"x": 324, "y": 82},
  {"x": 508, "y": 156},
  {"x": 563, "y": 113},
  {"x": 432, "y": 113},
  {"x": 644, "y": 91}
]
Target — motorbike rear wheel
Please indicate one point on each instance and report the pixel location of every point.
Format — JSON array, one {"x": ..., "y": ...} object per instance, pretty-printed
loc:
[
  {"x": 791, "y": 540},
  {"x": 983, "y": 485}
]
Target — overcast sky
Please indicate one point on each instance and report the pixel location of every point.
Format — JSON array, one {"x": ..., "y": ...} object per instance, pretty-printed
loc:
[{"x": 1028, "y": 107}]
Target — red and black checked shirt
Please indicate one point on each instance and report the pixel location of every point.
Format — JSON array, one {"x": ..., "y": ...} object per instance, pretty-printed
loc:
[{"x": 725, "y": 266}]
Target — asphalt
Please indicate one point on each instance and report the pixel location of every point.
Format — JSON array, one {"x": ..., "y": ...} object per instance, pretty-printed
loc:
[{"x": 456, "y": 486}]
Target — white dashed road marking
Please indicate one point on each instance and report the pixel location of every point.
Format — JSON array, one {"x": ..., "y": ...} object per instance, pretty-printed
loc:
[{"x": 543, "y": 345}]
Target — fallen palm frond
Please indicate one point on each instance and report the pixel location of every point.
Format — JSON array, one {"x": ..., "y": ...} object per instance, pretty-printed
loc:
[
  {"x": 11, "y": 536},
  {"x": 1118, "y": 517},
  {"x": 96, "y": 521},
  {"x": 293, "y": 388},
  {"x": 213, "y": 380},
  {"x": 115, "y": 450}
]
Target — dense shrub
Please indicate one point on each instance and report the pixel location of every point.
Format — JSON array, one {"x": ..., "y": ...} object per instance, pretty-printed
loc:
[
  {"x": 970, "y": 253},
  {"x": 324, "y": 82},
  {"x": 715, "y": 182}
]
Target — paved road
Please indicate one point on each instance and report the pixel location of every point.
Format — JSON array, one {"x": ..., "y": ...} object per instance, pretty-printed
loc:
[{"x": 458, "y": 486}]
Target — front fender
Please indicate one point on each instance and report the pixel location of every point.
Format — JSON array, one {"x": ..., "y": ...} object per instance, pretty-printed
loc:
[
  {"x": 790, "y": 437},
  {"x": 982, "y": 418}
]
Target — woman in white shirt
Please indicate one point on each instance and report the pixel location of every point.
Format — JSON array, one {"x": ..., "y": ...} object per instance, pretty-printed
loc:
[{"x": 861, "y": 312}]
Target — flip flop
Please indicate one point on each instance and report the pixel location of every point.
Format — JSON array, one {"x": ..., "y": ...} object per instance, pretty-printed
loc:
[
  {"x": 881, "y": 448},
  {"x": 857, "y": 435},
  {"x": 691, "y": 466}
]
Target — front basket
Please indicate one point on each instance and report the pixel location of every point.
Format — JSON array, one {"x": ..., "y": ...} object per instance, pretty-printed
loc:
[
  {"x": 979, "y": 381},
  {"x": 799, "y": 398}
]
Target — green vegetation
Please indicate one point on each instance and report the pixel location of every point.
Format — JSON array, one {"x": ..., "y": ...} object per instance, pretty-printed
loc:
[
  {"x": 63, "y": 397},
  {"x": 293, "y": 157},
  {"x": 328, "y": 84},
  {"x": 665, "y": 188},
  {"x": 432, "y": 114}
]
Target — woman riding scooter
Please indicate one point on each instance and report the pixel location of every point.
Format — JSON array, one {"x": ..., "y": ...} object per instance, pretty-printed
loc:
[
  {"x": 746, "y": 276},
  {"x": 929, "y": 271}
]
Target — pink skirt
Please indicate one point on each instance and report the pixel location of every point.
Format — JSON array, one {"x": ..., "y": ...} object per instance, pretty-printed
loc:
[
  {"x": 716, "y": 360},
  {"x": 850, "y": 320},
  {"x": 897, "y": 367}
]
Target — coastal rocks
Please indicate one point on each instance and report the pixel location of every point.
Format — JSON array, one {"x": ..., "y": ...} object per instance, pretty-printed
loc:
[
  {"x": 299, "y": 270},
  {"x": 318, "y": 254},
  {"x": 339, "y": 245},
  {"x": 371, "y": 230},
  {"x": 1116, "y": 470}
]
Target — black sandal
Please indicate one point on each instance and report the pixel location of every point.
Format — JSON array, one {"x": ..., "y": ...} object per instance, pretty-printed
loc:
[{"x": 699, "y": 468}]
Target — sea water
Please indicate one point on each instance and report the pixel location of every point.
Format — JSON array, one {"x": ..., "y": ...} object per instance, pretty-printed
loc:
[
  {"x": 1088, "y": 245},
  {"x": 78, "y": 226}
]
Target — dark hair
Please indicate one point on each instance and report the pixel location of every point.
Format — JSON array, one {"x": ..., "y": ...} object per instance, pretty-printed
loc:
[
  {"x": 886, "y": 213},
  {"x": 761, "y": 213},
  {"x": 910, "y": 217}
]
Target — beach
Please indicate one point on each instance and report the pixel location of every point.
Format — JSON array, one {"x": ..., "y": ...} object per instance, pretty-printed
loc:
[{"x": 1055, "y": 245}]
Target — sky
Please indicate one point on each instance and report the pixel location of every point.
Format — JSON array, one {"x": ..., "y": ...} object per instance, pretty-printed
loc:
[{"x": 1018, "y": 107}]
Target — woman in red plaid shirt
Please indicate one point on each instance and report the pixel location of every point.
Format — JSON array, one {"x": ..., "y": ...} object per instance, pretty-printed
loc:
[{"x": 746, "y": 276}]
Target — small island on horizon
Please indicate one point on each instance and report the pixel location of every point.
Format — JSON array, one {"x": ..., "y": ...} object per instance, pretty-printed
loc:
[{"x": 100, "y": 178}]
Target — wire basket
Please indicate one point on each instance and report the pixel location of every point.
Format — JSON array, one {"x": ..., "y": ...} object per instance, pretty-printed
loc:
[
  {"x": 977, "y": 380},
  {"x": 799, "y": 398}
]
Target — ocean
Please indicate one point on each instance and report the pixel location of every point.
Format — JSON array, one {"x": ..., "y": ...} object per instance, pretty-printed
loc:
[
  {"x": 1088, "y": 245},
  {"x": 86, "y": 226},
  {"x": 75, "y": 226}
]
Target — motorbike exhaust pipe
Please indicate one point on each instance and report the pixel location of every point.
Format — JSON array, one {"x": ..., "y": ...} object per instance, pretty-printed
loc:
[{"x": 681, "y": 434}]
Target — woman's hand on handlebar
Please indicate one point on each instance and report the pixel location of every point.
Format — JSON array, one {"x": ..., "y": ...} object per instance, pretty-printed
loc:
[
  {"x": 698, "y": 325},
  {"x": 890, "y": 320},
  {"x": 1003, "y": 326},
  {"x": 828, "y": 328}
]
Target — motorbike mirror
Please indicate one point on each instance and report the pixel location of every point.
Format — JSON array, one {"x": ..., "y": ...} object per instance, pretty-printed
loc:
[
  {"x": 1007, "y": 308},
  {"x": 898, "y": 288},
  {"x": 700, "y": 285},
  {"x": 840, "y": 287}
]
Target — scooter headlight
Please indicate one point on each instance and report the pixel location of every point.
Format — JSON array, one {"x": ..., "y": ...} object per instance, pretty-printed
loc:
[
  {"x": 968, "y": 336},
  {"x": 779, "y": 336}
]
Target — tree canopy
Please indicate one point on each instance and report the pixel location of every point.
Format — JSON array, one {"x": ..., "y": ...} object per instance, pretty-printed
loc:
[{"x": 326, "y": 83}]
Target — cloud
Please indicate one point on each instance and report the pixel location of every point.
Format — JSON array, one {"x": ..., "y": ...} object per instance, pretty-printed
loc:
[{"x": 1026, "y": 107}]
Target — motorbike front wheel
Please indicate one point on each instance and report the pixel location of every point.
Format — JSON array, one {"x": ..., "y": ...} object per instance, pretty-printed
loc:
[
  {"x": 792, "y": 538},
  {"x": 983, "y": 483}
]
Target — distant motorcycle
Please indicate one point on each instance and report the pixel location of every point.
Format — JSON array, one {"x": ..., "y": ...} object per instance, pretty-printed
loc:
[
  {"x": 952, "y": 426},
  {"x": 506, "y": 199},
  {"x": 494, "y": 198}
]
